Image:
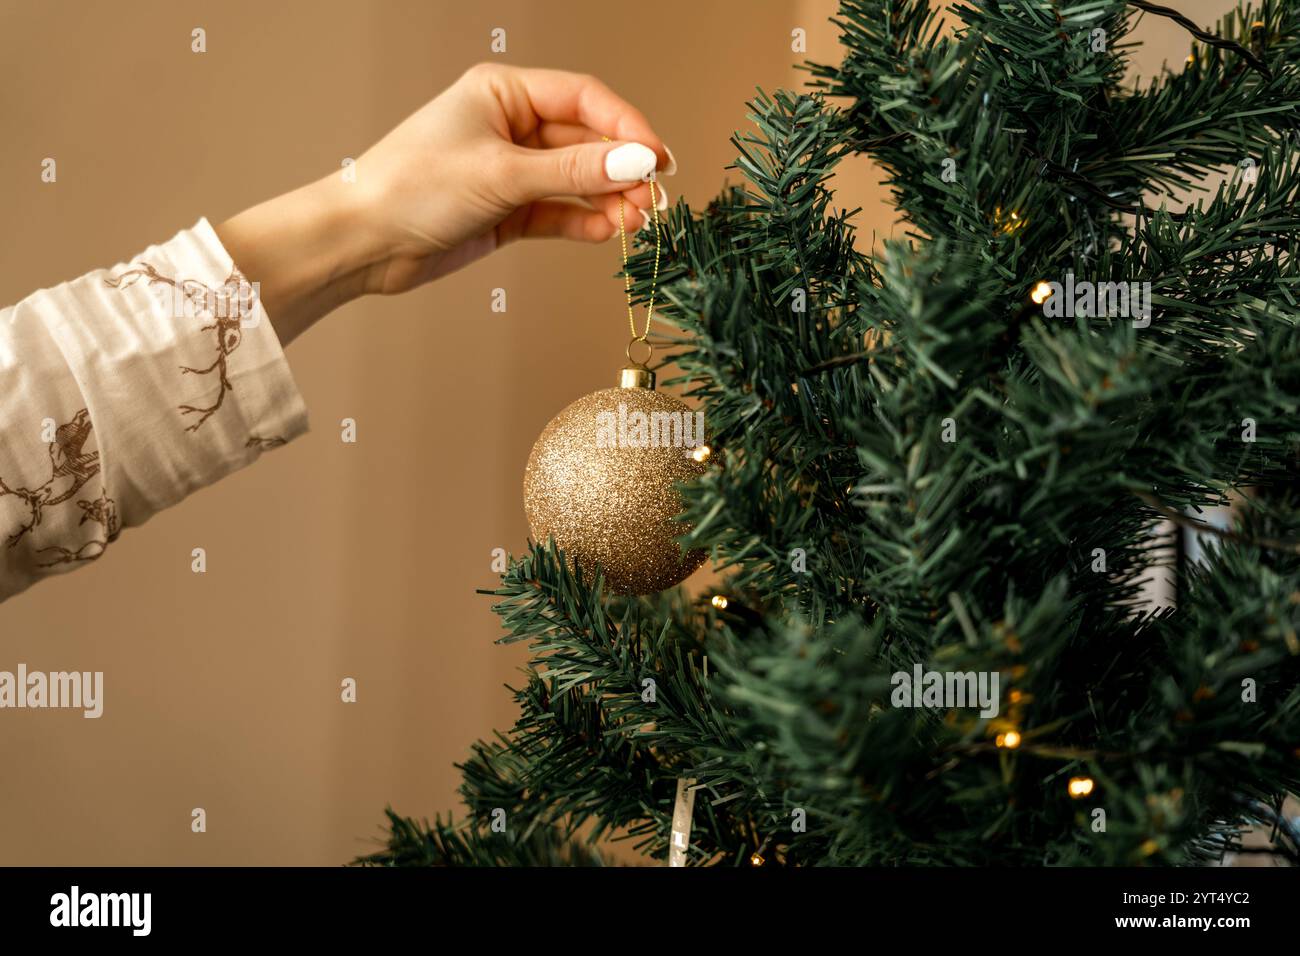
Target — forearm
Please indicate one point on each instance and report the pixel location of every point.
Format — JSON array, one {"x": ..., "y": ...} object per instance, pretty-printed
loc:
[{"x": 309, "y": 251}]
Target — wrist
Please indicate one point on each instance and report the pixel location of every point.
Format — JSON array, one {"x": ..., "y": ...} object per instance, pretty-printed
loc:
[{"x": 309, "y": 251}]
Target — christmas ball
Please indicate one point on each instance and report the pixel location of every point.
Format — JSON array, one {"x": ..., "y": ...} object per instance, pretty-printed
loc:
[{"x": 601, "y": 481}]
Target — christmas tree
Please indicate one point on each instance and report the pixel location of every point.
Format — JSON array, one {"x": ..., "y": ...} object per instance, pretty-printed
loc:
[{"x": 952, "y": 457}]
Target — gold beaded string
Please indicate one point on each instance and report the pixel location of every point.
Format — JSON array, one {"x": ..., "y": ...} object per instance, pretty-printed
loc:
[{"x": 627, "y": 278}]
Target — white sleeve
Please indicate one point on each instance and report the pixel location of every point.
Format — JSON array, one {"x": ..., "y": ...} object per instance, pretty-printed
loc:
[{"x": 123, "y": 391}]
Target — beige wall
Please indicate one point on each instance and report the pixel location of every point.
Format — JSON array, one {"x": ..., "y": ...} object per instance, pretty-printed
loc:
[{"x": 326, "y": 560}]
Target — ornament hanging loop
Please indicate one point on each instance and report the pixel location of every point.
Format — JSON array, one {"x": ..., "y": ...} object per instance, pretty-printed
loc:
[{"x": 649, "y": 352}]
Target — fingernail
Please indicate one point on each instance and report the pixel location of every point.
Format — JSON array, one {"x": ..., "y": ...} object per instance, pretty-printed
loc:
[
  {"x": 661, "y": 197},
  {"x": 671, "y": 168},
  {"x": 645, "y": 219},
  {"x": 629, "y": 163}
]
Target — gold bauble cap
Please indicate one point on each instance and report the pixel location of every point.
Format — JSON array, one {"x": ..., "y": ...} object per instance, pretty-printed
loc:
[{"x": 636, "y": 376}]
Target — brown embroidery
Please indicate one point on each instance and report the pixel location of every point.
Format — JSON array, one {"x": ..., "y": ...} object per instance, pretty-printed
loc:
[
  {"x": 103, "y": 511},
  {"x": 256, "y": 442},
  {"x": 225, "y": 305},
  {"x": 70, "y": 468}
]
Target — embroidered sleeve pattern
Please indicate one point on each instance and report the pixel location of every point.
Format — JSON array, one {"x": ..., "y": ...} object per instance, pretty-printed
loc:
[
  {"x": 125, "y": 390},
  {"x": 71, "y": 468},
  {"x": 229, "y": 306}
]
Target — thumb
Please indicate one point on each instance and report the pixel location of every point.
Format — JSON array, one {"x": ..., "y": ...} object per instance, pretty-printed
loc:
[{"x": 588, "y": 169}]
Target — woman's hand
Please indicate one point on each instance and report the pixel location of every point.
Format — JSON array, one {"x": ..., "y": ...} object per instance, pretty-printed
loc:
[{"x": 490, "y": 160}]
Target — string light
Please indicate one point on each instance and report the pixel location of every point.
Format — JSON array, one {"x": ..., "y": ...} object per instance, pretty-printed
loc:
[
  {"x": 1009, "y": 741},
  {"x": 1042, "y": 291},
  {"x": 756, "y": 860},
  {"x": 1080, "y": 786},
  {"x": 1007, "y": 223},
  {"x": 720, "y": 602},
  {"x": 702, "y": 453}
]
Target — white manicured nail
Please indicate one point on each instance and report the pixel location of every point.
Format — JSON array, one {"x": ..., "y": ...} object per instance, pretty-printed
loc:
[
  {"x": 661, "y": 196},
  {"x": 629, "y": 163},
  {"x": 645, "y": 219},
  {"x": 671, "y": 169}
]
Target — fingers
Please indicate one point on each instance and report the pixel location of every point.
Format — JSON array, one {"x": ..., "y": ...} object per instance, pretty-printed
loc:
[
  {"x": 587, "y": 169},
  {"x": 640, "y": 196},
  {"x": 552, "y": 219},
  {"x": 561, "y": 135},
  {"x": 569, "y": 135},
  {"x": 636, "y": 211},
  {"x": 582, "y": 100},
  {"x": 633, "y": 217},
  {"x": 557, "y": 135}
]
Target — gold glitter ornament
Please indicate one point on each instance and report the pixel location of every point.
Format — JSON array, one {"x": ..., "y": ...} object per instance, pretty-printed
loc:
[
  {"x": 601, "y": 479},
  {"x": 603, "y": 487}
]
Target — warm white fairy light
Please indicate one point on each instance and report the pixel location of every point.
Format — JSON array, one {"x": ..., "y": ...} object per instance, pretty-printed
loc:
[{"x": 1080, "y": 786}]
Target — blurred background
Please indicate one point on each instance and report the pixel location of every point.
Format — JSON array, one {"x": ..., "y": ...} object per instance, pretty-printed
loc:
[{"x": 329, "y": 560}]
